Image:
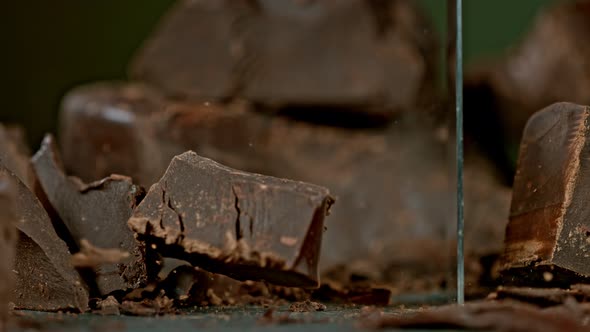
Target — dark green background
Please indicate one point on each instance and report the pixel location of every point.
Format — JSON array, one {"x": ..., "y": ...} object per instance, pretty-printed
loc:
[{"x": 50, "y": 46}]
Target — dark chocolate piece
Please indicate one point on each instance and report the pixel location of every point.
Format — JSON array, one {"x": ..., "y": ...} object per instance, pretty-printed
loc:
[
  {"x": 407, "y": 215},
  {"x": 8, "y": 238},
  {"x": 280, "y": 52},
  {"x": 244, "y": 225},
  {"x": 14, "y": 153},
  {"x": 547, "y": 237},
  {"x": 97, "y": 212},
  {"x": 108, "y": 307},
  {"x": 45, "y": 278}
]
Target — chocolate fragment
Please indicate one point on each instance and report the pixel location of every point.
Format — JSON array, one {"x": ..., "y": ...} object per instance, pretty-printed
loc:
[
  {"x": 97, "y": 212},
  {"x": 108, "y": 306},
  {"x": 306, "y": 306},
  {"x": 547, "y": 237},
  {"x": 406, "y": 214},
  {"x": 8, "y": 238},
  {"x": 356, "y": 53},
  {"x": 45, "y": 278},
  {"x": 231, "y": 222}
]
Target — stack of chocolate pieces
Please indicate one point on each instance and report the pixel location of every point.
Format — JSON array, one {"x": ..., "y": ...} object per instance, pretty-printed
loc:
[{"x": 204, "y": 181}]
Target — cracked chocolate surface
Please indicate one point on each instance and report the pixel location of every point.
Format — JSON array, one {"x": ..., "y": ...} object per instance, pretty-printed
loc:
[
  {"x": 97, "y": 212},
  {"x": 232, "y": 222}
]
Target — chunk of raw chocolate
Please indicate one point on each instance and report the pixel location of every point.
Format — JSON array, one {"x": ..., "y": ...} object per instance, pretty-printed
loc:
[
  {"x": 244, "y": 225},
  {"x": 548, "y": 235},
  {"x": 14, "y": 153},
  {"x": 282, "y": 52},
  {"x": 45, "y": 278},
  {"x": 97, "y": 212},
  {"x": 108, "y": 306},
  {"x": 407, "y": 213},
  {"x": 7, "y": 243}
]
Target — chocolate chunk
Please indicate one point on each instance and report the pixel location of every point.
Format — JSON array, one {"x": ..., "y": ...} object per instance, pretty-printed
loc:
[
  {"x": 8, "y": 238},
  {"x": 14, "y": 153},
  {"x": 45, "y": 278},
  {"x": 351, "y": 53},
  {"x": 549, "y": 227},
  {"x": 108, "y": 306},
  {"x": 232, "y": 222},
  {"x": 406, "y": 214},
  {"x": 97, "y": 212}
]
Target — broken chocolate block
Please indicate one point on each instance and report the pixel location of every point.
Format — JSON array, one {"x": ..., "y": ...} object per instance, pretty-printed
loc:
[
  {"x": 8, "y": 239},
  {"x": 244, "y": 225},
  {"x": 45, "y": 278},
  {"x": 406, "y": 214},
  {"x": 97, "y": 212},
  {"x": 548, "y": 235},
  {"x": 281, "y": 52},
  {"x": 14, "y": 153}
]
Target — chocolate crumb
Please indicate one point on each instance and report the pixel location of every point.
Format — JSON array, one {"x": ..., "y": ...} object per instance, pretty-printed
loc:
[
  {"x": 306, "y": 306},
  {"x": 108, "y": 306}
]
